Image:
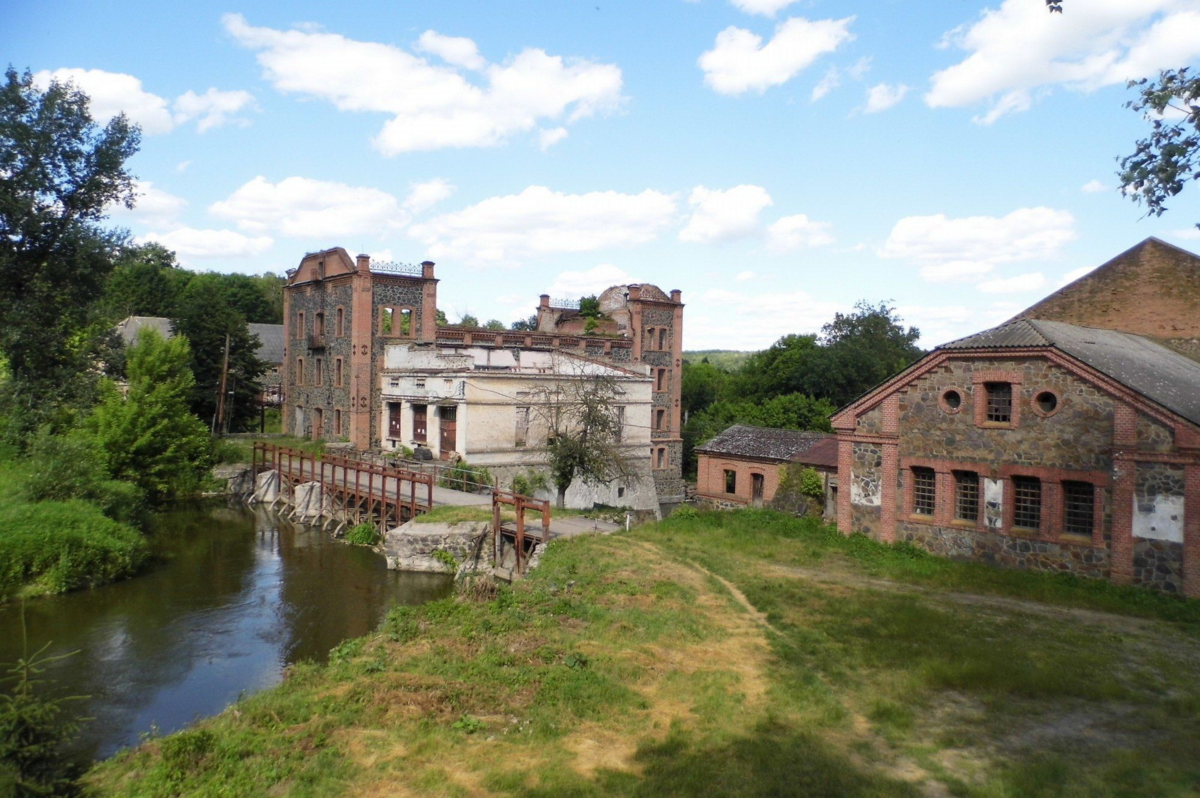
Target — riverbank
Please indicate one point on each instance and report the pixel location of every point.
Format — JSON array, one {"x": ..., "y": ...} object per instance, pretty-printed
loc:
[{"x": 735, "y": 654}]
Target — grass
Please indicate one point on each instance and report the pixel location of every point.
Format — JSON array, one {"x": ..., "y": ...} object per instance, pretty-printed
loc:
[
  {"x": 240, "y": 450},
  {"x": 742, "y": 654},
  {"x": 454, "y": 514}
]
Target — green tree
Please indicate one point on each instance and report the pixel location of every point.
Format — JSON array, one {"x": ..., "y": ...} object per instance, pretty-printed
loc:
[
  {"x": 146, "y": 281},
  {"x": 525, "y": 325},
  {"x": 1170, "y": 156},
  {"x": 494, "y": 324},
  {"x": 205, "y": 318},
  {"x": 246, "y": 295},
  {"x": 468, "y": 320},
  {"x": 59, "y": 171},
  {"x": 149, "y": 436},
  {"x": 862, "y": 349},
  {"x": 703, "y": 383}
]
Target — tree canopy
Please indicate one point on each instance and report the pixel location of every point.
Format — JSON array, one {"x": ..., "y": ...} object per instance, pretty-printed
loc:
[{"x": 1163, "y": 162}]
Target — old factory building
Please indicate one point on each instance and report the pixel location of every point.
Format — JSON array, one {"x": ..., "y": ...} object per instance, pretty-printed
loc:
[
  {"x": 744, "y": 464},
  {"x": 367, "y": 362},
  {"x": 1067, "y": 439}
]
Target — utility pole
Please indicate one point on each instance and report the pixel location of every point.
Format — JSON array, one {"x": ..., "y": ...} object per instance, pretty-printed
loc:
[{"x": 219, "y": 418}]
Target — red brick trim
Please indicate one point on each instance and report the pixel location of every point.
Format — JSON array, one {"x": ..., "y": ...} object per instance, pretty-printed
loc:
[
  {"x": 962, "y": 400},
  {"x": 1122, "y": 522},
  {"x": 1124, "y": 426},
  {"x": 1036, "y": 408},
  {"x": 888, "y": 483},
  {"x": 891, "y": 415},
  {"x": 845, "y": 521},
  {"x": 979, "y": 380},
  {"x": 866, "y": 438},
  {"x": 1191, "y": 531}
]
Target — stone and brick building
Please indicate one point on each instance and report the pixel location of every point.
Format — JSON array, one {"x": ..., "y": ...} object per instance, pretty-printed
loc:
[
  {"x": 744, "y": 464},
  {"x": 365, "y": 355}
]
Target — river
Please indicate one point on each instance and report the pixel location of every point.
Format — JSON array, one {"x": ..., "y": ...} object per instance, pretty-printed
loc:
[{"x": 237, "y": 597}]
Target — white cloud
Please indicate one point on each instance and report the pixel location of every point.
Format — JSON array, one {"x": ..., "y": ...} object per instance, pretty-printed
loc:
[
  {"x": 213, "y": 108},
  {"x": 1093, "y": 187},
  {"x": 571, "y": 285},
  {"x": 300, "y": 207},
  {"x": 941, "y": 323},
  {"x": 768, "y": 8},
  {"x": 112, "y": 93},
  {"x": 192, "y": 244},
  {"x": 860, "y": 69},
  {"x": 955, "y": 249},
  {"x": 828, "y": 83},
  {"x": 182, "y": 166},
  {"x": 454, "y": 50},
  {"x": 1014, "y": 284},
  {"x": 744, "y": 276},
  {"x": 798, "y": 232},
  {"x": 548, "y": 138},
  {"x": 432, "y": 106},
  {"x": 1188, "y": 234},
  {"x": 1018, "y": 50},
  {"x": 540, "y": 221},
  {"x": 740, "y": 62},
  {"x": 724, "y": 215},
  {"x": 423, "y": 196},
  {"x": 881, "y": 97},
  {"x": 154, "y": 207},
  {"x": 724, "y": 319}
]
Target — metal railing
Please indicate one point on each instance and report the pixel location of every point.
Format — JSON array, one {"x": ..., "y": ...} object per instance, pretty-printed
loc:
[
  {"x": 392, "y": 267},
  {"x": 517, "y": 531}
]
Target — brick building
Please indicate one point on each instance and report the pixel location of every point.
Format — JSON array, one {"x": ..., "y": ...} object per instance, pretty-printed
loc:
[
  {"x": 1036, "y": 444},
  {"x": 343, "y": 317},
  {"x": 744, "y": 465}
]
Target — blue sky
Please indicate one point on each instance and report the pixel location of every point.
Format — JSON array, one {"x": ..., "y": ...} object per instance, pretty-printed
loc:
[{"x": 776, "y": 161}]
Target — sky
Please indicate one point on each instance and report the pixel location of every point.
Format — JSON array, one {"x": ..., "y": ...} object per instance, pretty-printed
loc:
[{"x": 777, "y": 161}]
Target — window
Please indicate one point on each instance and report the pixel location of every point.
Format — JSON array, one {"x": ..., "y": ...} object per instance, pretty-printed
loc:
[
  {"x": 299, "y": 371},
  {"x": 951, "y": 401},
  {"x": 395, "y": 321},
  {"x": 341, "y": 322},
  {"x": 320, "y": 373},
  {"x": 650, "y": 338},
  {"x": 522, "y": 433},
  {"x": 420, "y": 423},
  {"x": 320, "y": 322},
  {"x": 730, "y": 481},
  {"x": 301, "y": 330},
  {"x": 318, "y": 430},
  {"x": 1079, "y": 508},
  {"x": 620, "y": 423},
  {"x": 966, "y": 496},
  {"x": 337, "y": 372},
  {"x": 1027, "y": 502},
  {"x": 660, "y": 416},
  {"x": 662, "y": 337},
  {"x": 337, "y": 422},
  {"x": 924, "y": 491},
  {"x": 662, "y": 458},
  {"x": 999, "y": 402},
  {"x": 1046, "y": 402},
  {"x": 661, "y": 380}
]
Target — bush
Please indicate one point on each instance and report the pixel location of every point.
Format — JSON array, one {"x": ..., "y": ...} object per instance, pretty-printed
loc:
[
  {"x": 811, "y": 484},
  {"x": 529, "y": 483},
  {"x": 446, "y": 558},
  {"x": 72, "y": 466},
  {"x": 685, "y": 512},
  {"x": 53, "y": 547},
  {"x": 466, "y": 477},
  {"x": 362, "y": 535}
]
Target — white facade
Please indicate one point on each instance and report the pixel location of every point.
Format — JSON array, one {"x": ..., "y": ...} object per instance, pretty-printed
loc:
[{"x": 483, "y": 404}]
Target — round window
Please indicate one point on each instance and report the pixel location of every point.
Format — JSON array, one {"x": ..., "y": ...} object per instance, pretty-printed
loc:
[
  {"x": 1047, "y": 402},
  {"x": 952, "y": 400}
]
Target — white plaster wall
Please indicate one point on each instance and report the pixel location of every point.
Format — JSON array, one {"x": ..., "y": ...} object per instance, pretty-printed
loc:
[
  {"x": 865, "y": 498},
  {"x": 1159, "y": 519},
  {"x": 993, "y": 503}
]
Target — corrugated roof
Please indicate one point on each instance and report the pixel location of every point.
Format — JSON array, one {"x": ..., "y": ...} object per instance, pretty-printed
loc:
[
  {"x": 742, "y": 440},
  {"x": 1137, "y": 362},
  {"x": 270, "y": 336}
]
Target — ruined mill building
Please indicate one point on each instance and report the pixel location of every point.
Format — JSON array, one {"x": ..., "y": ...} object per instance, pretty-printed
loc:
[
  {"x": 1067, "y": 439},
  {"x": 365, "y": 361}
]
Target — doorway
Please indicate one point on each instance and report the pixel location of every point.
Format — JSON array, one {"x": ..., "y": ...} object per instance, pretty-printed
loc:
[
  {"x": 395, "y": 420},
  {"x": 756, "y": 489},
  {"x": 420, "y": 423},
  {"x": 448, "y": 416}
]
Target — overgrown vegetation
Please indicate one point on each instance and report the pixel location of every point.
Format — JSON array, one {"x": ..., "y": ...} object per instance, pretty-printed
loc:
[
  {"x": 466, "y": 477},
  {"x": 742, "y": 654},
  {"x": 364, "y": 534},
  {"x": 529, "y": 483}
]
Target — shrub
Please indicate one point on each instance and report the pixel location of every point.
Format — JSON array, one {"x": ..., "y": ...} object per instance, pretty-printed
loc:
[
  {"x": 53, "y": 547},
  {"x": 72, "y": 466},
  {"x": 811, "y": 484},
  {"x": 446, "y": 558},
  {"x": 685, "y": 512},
  {"x": 184, "y": 752},
  {"x": 466, "y": 477},
  {"x": 362, "y": 535},
  {"x": 530, "y": 482}
]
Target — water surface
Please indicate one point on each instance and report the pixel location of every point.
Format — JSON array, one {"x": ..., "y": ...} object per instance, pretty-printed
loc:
[{"x": 241, "y": 595}]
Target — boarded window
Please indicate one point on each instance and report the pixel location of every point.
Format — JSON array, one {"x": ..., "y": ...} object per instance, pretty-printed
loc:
[
  {"x": 1027, "y": 502},
  {"x": 730, "y": 480},
  {"x": 1079, "y": 508},
  {"x": 924, "y": 491},
  {"x": 999, "y": 402},
  {"x": 522, "y": 433},
  {"x": 966, "y": 496},
  {"x": 420, "y": 423}
]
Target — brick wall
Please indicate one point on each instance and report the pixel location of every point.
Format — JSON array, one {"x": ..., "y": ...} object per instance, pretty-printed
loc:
[{"x": 710, "y": 477}]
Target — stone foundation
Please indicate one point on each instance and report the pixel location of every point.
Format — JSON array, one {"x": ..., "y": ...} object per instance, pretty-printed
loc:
[
  {"x": 1158, "y": 564},
  {"x": 1009, "y": 551},
  {"x": 411, "y": 547}
]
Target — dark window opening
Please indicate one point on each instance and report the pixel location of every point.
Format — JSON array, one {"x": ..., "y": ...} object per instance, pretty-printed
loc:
[
  {"x": 1027, "y": 502},
  {"x": 966, "y": 496},
  {"x": 953, "y": 399},
  {"x": 1079, "y": 508},
  {"x": 1047, "y": 402},
  {"x": 730, "y": 481},
  {"x": 999, "y": 402},
  {"x": 924, "y": 491}
]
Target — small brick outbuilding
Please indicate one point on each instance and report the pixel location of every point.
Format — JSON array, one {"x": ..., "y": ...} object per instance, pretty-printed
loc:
[{"x": 744, "y": 464}]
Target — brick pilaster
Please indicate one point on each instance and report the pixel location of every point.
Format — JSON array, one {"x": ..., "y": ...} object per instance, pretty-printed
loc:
[
  {"x": 889, "y": 482},
  {"x": 845, "y": 519},
  {"x": 1191, "y": 531},
  {"x": 1124, "y": 476}
]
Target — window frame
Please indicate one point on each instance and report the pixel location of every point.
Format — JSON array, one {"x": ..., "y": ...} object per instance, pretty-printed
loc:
[
  {"x": 730, "y": 476},
  {"x": 974, "y": 481},
  {"x": 1066, "y": 486},
  {"x": 923, "y": 491},
  {"x": 1017, "y": 480}
]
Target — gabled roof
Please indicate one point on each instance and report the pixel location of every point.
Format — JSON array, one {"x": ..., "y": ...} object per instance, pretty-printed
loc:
[
  {"x": 270, "y": 336},
  {"x": 765, "y": 443},
  {"x": 1141, "y": 364},
  {"x": 130, "y": 327}
]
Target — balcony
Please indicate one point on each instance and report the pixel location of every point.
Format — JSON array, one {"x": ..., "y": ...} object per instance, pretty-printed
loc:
[{"x": 316, "y": 341}]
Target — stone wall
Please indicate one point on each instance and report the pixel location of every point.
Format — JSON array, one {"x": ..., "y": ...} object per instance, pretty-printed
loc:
[
  {"x": 311, "y": 299},
  {"x": 1152, "y": 436},
  {"x": 411, "y": 546},
  {"x": 390, "y": 292},
  {"x": 1009, "y": 551},
  {"x": 866, "y": 488}
]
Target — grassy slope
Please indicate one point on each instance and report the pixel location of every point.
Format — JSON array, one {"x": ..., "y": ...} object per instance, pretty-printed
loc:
[{"x": 633, "y": 665}]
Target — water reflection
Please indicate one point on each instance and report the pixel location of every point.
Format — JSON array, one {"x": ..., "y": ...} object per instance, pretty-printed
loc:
[{"x": 242, "y": 594}]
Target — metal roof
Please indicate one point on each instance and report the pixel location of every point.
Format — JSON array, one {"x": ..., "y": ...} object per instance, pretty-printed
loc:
[
  {"x": 1137, "y": 362},
  {"x": 742, "y": 440}
]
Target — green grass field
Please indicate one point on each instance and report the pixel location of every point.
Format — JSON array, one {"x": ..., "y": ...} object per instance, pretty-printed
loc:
[{"x": 743, "y": 654}]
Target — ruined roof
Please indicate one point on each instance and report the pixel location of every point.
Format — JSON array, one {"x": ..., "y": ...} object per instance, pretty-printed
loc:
[
  {"x": 765, "y": 443},
  {"x": 270, "y": 336},
  {"x": 1137, "y": 362}
]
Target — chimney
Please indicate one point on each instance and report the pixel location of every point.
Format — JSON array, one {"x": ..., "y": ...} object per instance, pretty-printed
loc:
[
  {"x": 364, "y": 264},
  {"x": 427, "y": 269},
  {"x": 635, "y": 292},
  {"x": 675, "y": 295},
  {"x": 545, "y": 301}
]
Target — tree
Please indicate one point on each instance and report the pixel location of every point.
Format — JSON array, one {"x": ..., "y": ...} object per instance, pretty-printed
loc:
[
  {"x": 862, "y": 349},
  {"x": 526, "y": 325},
  {"x": 703, "y": 383},
  {"x": 149, "y": 436},
  {"x": 59, "y": 172},
  {"x": 494, "y": 324},
  {"x": 583, "y": 431},
  {"x": 1166, "y": 160},
  {"x": 146, "y": 281},
  {"x": 205, "y": 318},
  {"x": 468, "y": 320}
]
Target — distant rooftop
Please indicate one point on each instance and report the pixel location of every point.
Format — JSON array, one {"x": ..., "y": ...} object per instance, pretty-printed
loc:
[
  {"x": 782, "y": 445},
  {"x": 270, "y": 336}
]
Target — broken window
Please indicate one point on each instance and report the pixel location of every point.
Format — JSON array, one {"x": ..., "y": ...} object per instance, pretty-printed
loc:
[
  {"x": 522, "y": 433},
  {"x": 1027, "y": 502},
  {"x": 730, "y": 480},
  {"x": 1079, "y": 508},
  {"x": 395, "y": 321},
  {"x": 966, "y": 496},
  {"x": 999, "y": 402},
  {"x": 924, "y": 491},
  {"x": 662, "y": 338},
  {"x": 341, "y": 322}
]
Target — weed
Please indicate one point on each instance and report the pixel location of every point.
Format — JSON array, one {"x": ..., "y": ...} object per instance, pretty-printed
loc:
[
  {"x": 446, "y": 558},
  {"x": 468, "y": 724},
  {"x": 363, "y": 534}
]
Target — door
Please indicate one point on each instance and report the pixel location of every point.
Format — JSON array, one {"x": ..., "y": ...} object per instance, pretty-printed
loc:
[
  {"x": 756, "y": 489},
  {"x": 318, "y": 430},
  {"x": 395, "y": 427},
  {"x": 420, "y": 422},
  {"x": 448, "y": 416}
]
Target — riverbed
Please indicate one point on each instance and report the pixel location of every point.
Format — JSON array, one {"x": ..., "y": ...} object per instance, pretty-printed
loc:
[{"x": 237, "y": 596}]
